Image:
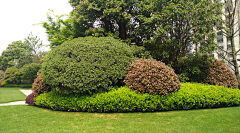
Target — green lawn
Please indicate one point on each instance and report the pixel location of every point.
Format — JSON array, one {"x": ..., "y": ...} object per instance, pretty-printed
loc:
[
  {"x": 24, "y": 119},
  {"x": 8, "y": 94}
]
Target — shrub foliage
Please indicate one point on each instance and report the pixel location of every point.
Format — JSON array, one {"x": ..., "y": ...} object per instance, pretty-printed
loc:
[
  {"x": 152, "y": 76},
  {"x": 86, "y": 65},
  {"x": 1, "y": 80},
  {"x": 190, "y": 96},
  {"x": 30, "y": 99},
  {"x": 220, "y": 74},
  {"x": 193, "y": 68},
  {"x": 39, "y": 86}
]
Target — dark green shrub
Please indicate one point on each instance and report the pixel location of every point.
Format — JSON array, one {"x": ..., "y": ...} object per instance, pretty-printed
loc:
[
  {"x": 193, "y": 68},
  {"x": 19, "y": 85},
  {"x": 30, "y": 99},
  {"x": 190, "y": 96},
  {"x": 140, "y": 52},
  {"x": 29, "y": 71},
  {"x": 9, "y": 75},
  {"x": 39, "y": 86},
  {"x": 152, "y": 76},
  {"x": 86, "y": 65},
  {"x": 220, "y": 74}
]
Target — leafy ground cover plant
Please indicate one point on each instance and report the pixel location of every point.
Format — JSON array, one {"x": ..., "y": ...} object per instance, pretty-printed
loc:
[
  {"x": 189, "y": 96},
  {"x": 152, "y": 76},
  {"x": 86, "y": 65}
]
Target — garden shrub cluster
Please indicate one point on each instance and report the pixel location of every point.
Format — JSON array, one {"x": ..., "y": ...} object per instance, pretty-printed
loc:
[
  {"x": 30, "y": 99},
  {"x": 152, "y": 76},
  {"x": 203, "y": 69},
  {"x": 190, "y": 96},
  {"x": 86, "y": 65},
  {"x": 1, "y": 80},
  {"x": 39, "y": 86},
  {"x": 220, "y": 74},
  {"x": 193, "y": 68}
]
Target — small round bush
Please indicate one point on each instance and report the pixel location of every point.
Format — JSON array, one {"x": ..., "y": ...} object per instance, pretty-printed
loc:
[
  {"x": 152, "y": 76},
  {"x": 30, "y": 99},
  {"x": 86, "y": 65},
  {"x": 39, "y": 86},
  {"x": 220, "y": 74}
]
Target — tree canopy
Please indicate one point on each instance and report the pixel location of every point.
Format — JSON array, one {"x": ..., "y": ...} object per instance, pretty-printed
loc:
[
  {"x": 17, "y": 54},
  {"x": 166, "y": 28}
]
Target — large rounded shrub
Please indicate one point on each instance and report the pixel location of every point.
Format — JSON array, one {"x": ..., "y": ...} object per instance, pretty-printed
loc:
[
  {"x": 86, "y": 65},
  {"x": 39, "y": 86},
  {"x": 220, "y": 74},
  {"x": 152, "y": 76}
]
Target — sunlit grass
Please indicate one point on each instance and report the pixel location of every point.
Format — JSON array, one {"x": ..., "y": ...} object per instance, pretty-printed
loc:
[
  {"x": 24, "y": 119},
  {"x": 9, "y": 94}
]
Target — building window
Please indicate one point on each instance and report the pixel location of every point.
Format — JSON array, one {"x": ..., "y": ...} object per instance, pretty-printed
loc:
[{"x": 219, "y": 37}]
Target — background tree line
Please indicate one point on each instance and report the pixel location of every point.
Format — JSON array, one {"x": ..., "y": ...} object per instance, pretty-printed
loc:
[
  {"x": 166, "y": 30},
  {"x": 21, "y": 61}
]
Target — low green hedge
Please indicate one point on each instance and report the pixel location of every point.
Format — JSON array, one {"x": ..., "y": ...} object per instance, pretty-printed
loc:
[
  {"x": 19, "y": 85},
  {"x": 190, "y": 96}
]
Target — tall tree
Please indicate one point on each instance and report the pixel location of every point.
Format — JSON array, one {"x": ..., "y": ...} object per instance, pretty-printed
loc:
[
  {"x": 16, "y": 54},
  {"x": 114, "y": 16},
  {"x": 230, "y": 29},
  {"x": 35, "y": 44},
  {"x": 59, "y": 29},
  {"x": 176, "y": 26}
]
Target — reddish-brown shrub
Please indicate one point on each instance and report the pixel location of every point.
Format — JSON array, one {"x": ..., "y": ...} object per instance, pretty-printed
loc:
[
  {"x": 220, "y": 74},
  {"x": 30, "y": 99},
  {"x": 39, "y": 86},
  {"x": 1, "y": 80},
  {"x": 152, "y": 76}
]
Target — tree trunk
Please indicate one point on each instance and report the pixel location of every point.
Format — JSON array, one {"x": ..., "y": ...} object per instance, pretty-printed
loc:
[
  {"x": 236, "y": 66},
  {"x": 122, "y": 30}
]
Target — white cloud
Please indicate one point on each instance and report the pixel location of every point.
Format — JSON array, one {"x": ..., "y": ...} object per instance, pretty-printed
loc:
[{"x": 18, "y": 17}]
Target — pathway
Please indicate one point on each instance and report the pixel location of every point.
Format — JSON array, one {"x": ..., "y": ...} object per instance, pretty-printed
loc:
[{"x": 24, "y": 91}]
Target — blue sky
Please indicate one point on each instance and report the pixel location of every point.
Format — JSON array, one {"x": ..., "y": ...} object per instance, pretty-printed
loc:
[{"x": 18, "y": 17}]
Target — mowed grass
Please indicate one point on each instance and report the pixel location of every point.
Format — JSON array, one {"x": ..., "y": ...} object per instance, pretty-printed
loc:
[
  {"x": 8, "y": 94},
  {"x": 24, "y": 119}
]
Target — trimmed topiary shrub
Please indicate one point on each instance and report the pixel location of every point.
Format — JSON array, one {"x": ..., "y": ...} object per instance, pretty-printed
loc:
[
  {"x": 220, "y": 74},
  {"x": 152, "y": 76},
  {"x": 190, "y": 96},
  {"x": 39, "y": 86},
  {"x": 30, "y": 99},
  {"x": 86, "y": 65}
]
